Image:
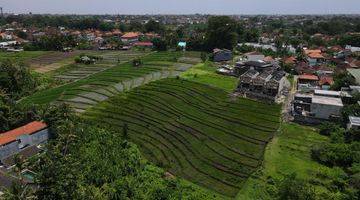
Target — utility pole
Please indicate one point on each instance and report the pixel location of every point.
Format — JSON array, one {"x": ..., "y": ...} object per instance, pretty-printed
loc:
[{"x": 1, "y": 12}]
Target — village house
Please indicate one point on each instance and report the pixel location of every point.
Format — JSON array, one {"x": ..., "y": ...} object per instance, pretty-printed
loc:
[
  {"x": 314, "y": 57},
  {"x": 325, "y": 82},
  {"x": 221, "y": 55},
  {"x": 260, "y": 80},
  {"x": 254, "y": 56},
  {"x": 130, "y": 37},
  {"x": 6, "y": 36},
  {"x": 258, "y": 65},
  {"x": 90, "y": 36},
  {"x": 22, "y": 138},
  {"x": 307, "y": 83},
  {"x": 289, "y": 61},
  {"x": 313, "y": 108},
  {"x": 352, "y": 48}
]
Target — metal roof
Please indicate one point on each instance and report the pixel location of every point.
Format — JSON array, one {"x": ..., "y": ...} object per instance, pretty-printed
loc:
[
  {"x": 355, "y": 73},
  {"x": 354, "y": 120},
  {"x": 327, "y": 93},
  {"x": 327, "y": 101}
]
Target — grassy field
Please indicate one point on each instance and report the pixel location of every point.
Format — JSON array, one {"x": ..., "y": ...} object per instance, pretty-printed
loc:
[
  {"x": 155, "y": 62},
  {"x": 22, "y": 56},
  {"x": 206, "y": 73},
  {"x": 287, "y": 153},
  {"x": 194, "y": 130}
]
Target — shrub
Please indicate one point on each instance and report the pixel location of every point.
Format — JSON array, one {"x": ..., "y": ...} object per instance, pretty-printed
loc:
[
  {"x": 137, "y": 62},
  {"x": 327, "y": 127},
  {"x": 203, "y": 56},
  {"x": 333, "y": 154},
  {"x": 292, "y": 188}
]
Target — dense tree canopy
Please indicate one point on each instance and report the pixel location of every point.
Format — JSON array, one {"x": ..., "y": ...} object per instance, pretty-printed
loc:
[
  {"x": 87, "y": 162},
  {"x": 221, "y": 32},
  {"x": 15, "y": 78}
]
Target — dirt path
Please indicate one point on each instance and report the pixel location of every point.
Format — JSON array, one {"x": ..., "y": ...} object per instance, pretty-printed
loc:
[{"x": 286, "y": 109}]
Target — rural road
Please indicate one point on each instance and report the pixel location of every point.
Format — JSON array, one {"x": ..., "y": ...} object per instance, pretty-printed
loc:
[{"x": 286, "y": 110}]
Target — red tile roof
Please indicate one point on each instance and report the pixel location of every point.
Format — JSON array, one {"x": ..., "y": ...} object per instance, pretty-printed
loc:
[
  {"x": 268, "y": 59},
  {"x": 144, "y": 44},
  {"x": 310, "y": 51},
  {"x": 290, "y": 60},
  {"x": 316, "y": 55},
  {"x": 27, "y": 129},
  {"x": 308, "y": 77},
  {"x": 130, "y": 35},
  {"x": 326, "y": 80}
]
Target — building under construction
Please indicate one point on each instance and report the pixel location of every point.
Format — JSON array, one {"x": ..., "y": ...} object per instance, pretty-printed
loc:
[{"x": 261, "y": 80}]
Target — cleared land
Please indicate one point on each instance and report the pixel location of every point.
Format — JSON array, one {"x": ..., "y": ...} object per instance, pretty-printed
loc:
[
  {"x": 99, "y": 86},
  {"x": 206, "y": 73},
  {"x": 52, "y": 60},
  {"x": 110, "y": 59},
  {"x": 287, "y": 153},
  {"x": 194, "y": 131}
]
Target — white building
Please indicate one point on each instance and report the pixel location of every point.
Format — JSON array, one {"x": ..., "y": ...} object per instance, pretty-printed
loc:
[
  {"x": 325, "y": 107},
  {"x": 354, "y": 123}
]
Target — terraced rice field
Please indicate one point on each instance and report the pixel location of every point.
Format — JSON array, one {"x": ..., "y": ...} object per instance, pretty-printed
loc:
[
  {"x": 110, "y": 59},
  {"x": 98, "y": 87},
  {"x": 194, "y": 130}
]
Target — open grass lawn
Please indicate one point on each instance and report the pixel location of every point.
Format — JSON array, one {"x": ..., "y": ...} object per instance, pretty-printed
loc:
[
  {"x": 194, "y": 130},
  {"x": 22, "y": 56},
  {"x": 155, "y": 62},
  {"x": 206, "y": 73},
  {"x": 287, "y": 153}
]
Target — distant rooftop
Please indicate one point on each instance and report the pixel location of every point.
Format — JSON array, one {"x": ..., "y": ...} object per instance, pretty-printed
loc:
[{"x": 309, "y": 77}]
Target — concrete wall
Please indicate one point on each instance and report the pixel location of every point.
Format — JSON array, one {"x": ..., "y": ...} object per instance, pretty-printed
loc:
[
  {"x": 9, "y": 149},
  {"x": 40, "y": 137},
  {"x": 23, "y": 141}
]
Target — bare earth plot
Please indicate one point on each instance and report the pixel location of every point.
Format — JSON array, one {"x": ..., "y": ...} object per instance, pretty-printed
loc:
[
  {"x": 110, "y": 59},
  {"x": 193, "y": 130},
  {"x": 53, "y": 61}
]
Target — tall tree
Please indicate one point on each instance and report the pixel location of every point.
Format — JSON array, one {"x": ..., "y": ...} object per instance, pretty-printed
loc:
[{"x": 221, "y": 32}]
